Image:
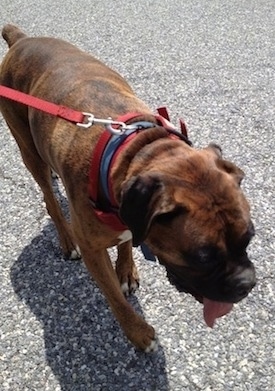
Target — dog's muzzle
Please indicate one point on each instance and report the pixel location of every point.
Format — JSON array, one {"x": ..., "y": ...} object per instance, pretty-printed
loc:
[
  {"x": 229, "y": 287},
  {"x": 241, "y": 283},
  {"x": 217, "y": 291}
]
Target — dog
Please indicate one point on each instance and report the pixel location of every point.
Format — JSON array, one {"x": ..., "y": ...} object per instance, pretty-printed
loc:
[{"x": 185, "y": 204}]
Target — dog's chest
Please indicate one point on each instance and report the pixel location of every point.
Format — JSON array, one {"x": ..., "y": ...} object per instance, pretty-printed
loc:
[{"x": 125, "y": 236}]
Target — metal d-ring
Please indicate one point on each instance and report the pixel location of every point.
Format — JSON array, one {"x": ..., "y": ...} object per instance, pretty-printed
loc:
[{"x": 119, "y": 130}]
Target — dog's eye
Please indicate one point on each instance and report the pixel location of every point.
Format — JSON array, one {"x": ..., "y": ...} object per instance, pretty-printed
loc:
[{"x": 204, "y": 257}]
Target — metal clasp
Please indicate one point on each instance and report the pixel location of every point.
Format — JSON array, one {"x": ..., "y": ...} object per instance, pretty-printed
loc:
[
  {"x": 119, "y": 130},
  {"x": 90, "y": 120}
]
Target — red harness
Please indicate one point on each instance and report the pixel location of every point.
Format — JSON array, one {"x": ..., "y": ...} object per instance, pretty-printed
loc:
[{"x": 107, "y": 212}]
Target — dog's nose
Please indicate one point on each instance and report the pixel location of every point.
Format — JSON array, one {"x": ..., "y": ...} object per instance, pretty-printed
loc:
[
  {"x": 243, "y": 282},
  {"x": 243, "y": 289}
]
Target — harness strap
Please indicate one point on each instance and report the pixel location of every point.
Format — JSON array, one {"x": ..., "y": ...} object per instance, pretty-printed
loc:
[
  {"x": 99, "y": 169},
  {"x": 103, "y": 141}
]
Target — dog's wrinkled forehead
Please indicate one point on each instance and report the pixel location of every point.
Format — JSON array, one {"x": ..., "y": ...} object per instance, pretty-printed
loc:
[
  {"x": 216, "y": 217},
  {"x": 201, "y": 187}
]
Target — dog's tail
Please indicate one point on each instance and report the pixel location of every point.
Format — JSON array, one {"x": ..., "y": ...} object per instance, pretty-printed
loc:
[{"x": 12, "y": 34}]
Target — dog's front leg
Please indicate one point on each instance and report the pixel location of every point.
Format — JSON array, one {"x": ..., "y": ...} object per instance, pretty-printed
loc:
[
  {"x": 126, "y": 269},
  {"x": 136, "y": 329}
]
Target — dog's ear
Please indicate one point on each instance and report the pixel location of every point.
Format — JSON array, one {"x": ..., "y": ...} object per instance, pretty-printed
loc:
[
  {"x": 143, "y": 198},
  {"x": 216, "y": 149},
  {"x": 232, "y": 169},
  {"x": 225, "y": 165}
]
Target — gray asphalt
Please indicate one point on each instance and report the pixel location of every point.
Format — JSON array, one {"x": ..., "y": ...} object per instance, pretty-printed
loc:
[{"x": 211, "y": 62}]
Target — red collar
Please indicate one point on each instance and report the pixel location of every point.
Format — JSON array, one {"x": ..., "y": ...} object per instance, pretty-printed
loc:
[{"x": 107, "y": 149}]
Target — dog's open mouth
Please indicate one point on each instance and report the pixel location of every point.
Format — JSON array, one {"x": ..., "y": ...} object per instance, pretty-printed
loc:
[{"x": 212, "y": 310}]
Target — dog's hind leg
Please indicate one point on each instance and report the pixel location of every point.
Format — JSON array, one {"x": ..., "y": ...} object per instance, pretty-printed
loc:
[{"x": 41, "y": 172}]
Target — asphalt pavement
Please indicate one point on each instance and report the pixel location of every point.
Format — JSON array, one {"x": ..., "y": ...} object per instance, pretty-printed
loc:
[{"x": 213, "y": 63}]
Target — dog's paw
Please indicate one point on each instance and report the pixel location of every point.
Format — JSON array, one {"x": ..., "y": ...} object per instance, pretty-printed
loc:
[
  {"x": 54, "y": 174},
  {"x": 153, "y": 346},
  {"x": 75, "y": 254},
  {"x": 128, "y": 277},
  {"x": 129, "y": 287},
  {"x": 144, "y": 337}
]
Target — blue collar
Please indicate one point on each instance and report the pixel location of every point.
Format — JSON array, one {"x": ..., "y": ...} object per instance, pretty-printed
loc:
[{"x": 110, "y": 149}]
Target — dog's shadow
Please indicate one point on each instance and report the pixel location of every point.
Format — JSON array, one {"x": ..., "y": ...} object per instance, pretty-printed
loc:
[{"x": 84, "y": 344}]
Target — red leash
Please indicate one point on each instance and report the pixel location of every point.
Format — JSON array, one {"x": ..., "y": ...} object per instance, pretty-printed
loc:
[
  {"x": 113, "y": 128},
  {"x": 42, "y": 105},
  {"x": 69, "y": 114}
]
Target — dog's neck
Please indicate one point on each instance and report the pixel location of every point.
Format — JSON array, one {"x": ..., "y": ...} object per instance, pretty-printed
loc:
[
  {"x": 113, "y": 156},
  {"x": 121, "y": 166}
]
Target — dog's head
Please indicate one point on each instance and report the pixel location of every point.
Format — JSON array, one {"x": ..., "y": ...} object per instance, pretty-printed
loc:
[{"x": 192, "y": 213}]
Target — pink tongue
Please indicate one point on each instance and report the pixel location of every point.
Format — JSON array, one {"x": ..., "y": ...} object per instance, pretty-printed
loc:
[{"x": 214, "y": 309}]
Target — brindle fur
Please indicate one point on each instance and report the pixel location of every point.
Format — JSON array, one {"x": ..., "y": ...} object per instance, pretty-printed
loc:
[{"x": 178, "y": 199}]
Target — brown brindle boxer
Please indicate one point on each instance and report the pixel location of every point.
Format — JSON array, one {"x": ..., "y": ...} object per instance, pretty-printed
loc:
[{"x": 185, "y": 204}]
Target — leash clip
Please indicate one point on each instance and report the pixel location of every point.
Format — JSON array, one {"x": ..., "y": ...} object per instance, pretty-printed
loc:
[
  {"x": 114, "y": 127},
  {"x": 88, "y": 120},
  {"x": 118, "y": 130}
]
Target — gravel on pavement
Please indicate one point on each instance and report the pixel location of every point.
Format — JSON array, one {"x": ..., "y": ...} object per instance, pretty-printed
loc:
[{"x": 213, "y": 63}]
